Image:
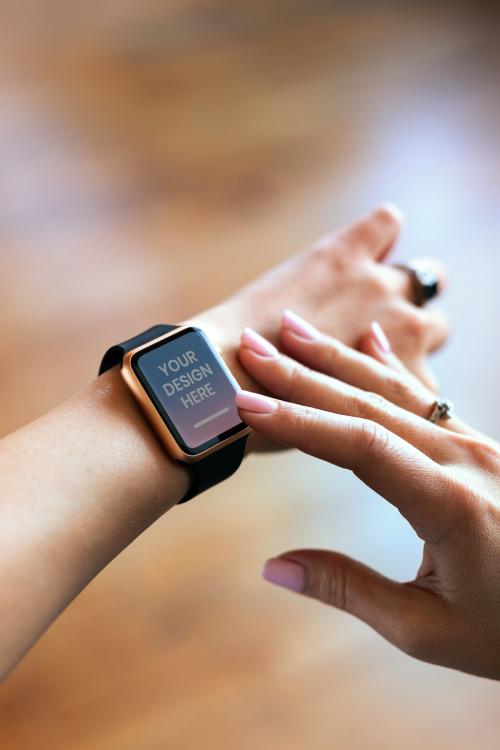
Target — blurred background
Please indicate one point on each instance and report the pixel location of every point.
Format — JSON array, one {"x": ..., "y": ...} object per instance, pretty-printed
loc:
[{"x": 154, "y": 155}]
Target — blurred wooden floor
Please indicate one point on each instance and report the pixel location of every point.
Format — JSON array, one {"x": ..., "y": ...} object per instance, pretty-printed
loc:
[{"x": 146, "y": 147}]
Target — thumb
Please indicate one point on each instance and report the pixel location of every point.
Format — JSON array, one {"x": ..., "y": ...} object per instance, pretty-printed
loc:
[{"x": 401, "y": 613}]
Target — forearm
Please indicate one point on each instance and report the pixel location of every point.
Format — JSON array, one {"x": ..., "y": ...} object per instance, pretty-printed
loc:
[{"x": 76, "y": 487}]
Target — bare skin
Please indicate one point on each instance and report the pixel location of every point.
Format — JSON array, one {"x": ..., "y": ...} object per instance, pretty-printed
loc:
[
  {"x": 339, "y": 283},
  {"x": 79, "y": 484},
  {"x": 367, "y": 413}
]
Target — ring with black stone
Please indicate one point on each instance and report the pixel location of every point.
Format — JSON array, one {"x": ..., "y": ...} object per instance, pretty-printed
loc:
[{"x": 425, "y": 283}]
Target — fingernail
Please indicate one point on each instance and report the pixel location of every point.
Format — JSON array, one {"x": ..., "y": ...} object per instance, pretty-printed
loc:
[
  {"x": 285, "y": 573},
  {"x": 255, "y": 402},
  {"x": 299, "y": 326},
  {"x": 381, "y": 340},
  {"x": 394, "y": 210},
  {"x": 257, "y": 343}
]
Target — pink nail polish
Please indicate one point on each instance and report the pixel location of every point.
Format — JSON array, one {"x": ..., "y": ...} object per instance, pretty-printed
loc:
[
  {"x": 381, "y": 340},
  {"x": 286, "y": 573},
  {"x": 257, "y": 343},
  {"x": 255, "y": 402},
  {"x": 299, "y": 326}
]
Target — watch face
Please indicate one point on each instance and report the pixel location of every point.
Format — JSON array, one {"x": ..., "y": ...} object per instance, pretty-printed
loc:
[{"x": 191, "y": 388}]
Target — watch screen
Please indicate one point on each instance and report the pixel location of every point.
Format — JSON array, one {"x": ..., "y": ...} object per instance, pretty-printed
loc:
[{"x": 192, "y": 389}]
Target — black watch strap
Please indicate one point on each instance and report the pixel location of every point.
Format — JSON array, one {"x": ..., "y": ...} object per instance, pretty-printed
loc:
[
  {"x": 209, "y": 471},
  {"x": 215, "y": 468},
  {"x": 115, "y": 354}
]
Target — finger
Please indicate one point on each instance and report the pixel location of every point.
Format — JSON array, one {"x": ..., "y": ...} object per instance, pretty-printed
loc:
[
  {"x": 438, "y": 329},
  {"x": 410, "y": 480},
  {"x": 376, "y": 345},
  {"x": 405, "y": 615},
  {"x": 421, "y": 369},
  {"x": 420, "y": 381},
  {"x": 374, "y": 234},
  {"x": 424, "y": 387},
  {"x": 422, "y": 330},
  {"x": 378, "y": 370},
  {"x": 291, "y": 381},
  {"x": 391, "y": 379}
]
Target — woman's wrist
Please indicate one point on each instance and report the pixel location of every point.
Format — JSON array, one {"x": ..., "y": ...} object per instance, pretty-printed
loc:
[
  {"x": 156, "y": 481},
  {"x": 98, "y": 475}
]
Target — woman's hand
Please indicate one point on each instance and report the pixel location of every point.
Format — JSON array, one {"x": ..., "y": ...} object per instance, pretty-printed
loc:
[
  {"x": 340, "y": 284},
  {"x": 368, "y": 414}
]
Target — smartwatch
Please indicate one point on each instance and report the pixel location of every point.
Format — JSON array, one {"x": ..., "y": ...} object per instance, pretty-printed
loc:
[{"x": 187, "y": 393}]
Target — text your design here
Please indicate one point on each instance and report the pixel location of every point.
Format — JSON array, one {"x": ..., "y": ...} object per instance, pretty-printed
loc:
[{"x": 189, "y": 378}]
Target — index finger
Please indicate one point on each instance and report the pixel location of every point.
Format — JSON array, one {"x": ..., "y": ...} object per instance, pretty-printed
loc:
[{"x": 417, "y": 486}]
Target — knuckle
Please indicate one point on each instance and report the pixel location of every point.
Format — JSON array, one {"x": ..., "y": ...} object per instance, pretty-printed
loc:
[
  {"x": 440, "y": 324},
  {"x": 465, "y": 505},
  {"x": 323, "y": 245},
  {"x": 484, "y": 455},
  {"x": 470, "y": 453},
  {"x": 299, "y": 378},
  {"x": 373, "y": 439},
  {"x": 416, "y": 325},
  {"x": 290, "y": 381},
  {"x": 295, "y": 417},
  {"x": 302, "y": 423},
  {"x": 334, "y": 353},
  {"x": 376, "y": 285},
  {"x": 398, "y": 388},
  {"x": 329, "y": 585},
  {"x": 319, "y": 252},
  {"x": 438, "y": 329},
  {"x": 340, "y": 261},
  {"x": 371, "y": 405},
  {"x": 334, "y": 250}
]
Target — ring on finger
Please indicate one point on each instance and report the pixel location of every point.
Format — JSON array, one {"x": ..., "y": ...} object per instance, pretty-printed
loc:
[
  {"x": 425, "y": 283},
  {"x": 442, "y": 408}
]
